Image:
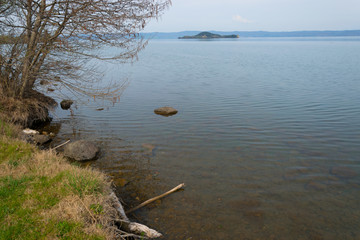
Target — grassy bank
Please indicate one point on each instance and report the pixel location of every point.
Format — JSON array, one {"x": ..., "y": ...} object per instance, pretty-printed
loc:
[{"x": 43, "y": 196}]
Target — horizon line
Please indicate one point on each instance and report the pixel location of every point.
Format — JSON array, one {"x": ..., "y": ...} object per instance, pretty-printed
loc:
[{"x": 252, "y": 31}]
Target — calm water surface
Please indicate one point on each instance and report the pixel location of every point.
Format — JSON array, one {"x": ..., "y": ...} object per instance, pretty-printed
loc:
[{"x": 267, "y": 138}]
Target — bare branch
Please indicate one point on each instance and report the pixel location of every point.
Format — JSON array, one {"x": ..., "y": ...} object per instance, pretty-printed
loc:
[{"x": 45, "y": 36}]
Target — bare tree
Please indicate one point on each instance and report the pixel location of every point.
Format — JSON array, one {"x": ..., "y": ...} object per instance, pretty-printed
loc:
[{"x": 53, "y": 39}]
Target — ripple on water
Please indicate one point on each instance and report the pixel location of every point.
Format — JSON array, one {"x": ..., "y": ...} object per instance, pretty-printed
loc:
[{"x": 266, "y": 138}]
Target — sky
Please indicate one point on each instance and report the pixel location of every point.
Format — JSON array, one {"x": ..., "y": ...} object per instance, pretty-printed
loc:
[{"x": 258, "y": 15}]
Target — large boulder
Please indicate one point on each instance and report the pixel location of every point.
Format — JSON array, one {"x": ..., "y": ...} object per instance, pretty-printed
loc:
[
  {"x": 66, "y": 104},
  {"x": 81, "y": 150},
  {"x": 166, "y": 111}
]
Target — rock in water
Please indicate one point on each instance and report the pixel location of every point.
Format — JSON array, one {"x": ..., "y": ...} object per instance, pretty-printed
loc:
[
  {"x": 66, "y": 104},
  {"x": 81, "y": 150},
  {"x": 166, "y": 111}
]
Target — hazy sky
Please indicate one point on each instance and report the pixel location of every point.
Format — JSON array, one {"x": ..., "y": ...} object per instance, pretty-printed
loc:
[{"x": 255, "y": 15}]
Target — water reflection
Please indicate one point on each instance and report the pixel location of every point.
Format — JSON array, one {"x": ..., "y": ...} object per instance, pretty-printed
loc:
[
  {"x": 270, "y": 192},
  {"x": 270, "y": 153}
]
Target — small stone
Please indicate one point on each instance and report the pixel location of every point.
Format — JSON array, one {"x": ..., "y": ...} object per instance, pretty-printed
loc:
[
  {"x": 81, "y": 150},
  {"x": 166, "y": 111},
  {"x": 343, "y": 172},
  {"x": 66, "y": 104}
]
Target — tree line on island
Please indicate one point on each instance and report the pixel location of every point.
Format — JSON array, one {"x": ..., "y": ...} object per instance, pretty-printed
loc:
[{"x": 209, "y": 35}]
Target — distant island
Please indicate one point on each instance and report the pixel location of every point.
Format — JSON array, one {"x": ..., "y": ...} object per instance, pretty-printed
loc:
[
  {"x": 252, "y": 34},
  {"x": 209, "y": 35}
]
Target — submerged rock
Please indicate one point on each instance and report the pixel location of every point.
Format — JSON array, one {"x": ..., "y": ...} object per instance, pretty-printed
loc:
[
  {"x": 41, "y": 139},
  {"x": 66, "y": 104},
  {"x": 315, "y": 185},
  {"x": 81, "y": 150},
  {"x": 121, "y": 182},
  {"x": 343, "y": 172},
  {"x": 148, "y": 146},
  {"x": 166, "y": 111}
]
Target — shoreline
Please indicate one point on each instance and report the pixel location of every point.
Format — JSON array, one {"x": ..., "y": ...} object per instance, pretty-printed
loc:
[{"x": 80, "y": 201}]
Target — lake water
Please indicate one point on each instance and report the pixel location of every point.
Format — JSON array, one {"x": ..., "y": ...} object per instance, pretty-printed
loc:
[{"x": 267, "y": 137}]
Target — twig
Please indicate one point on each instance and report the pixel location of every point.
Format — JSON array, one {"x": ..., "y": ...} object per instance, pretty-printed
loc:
[
  {"x": 92, "y": 216},
  {"x": 155, "y": 198},
  {"x": 61, "y": 145}
]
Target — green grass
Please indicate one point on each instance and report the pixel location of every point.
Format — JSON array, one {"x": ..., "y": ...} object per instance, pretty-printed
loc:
[
  {"x": 15, "y": 152},
  {"x": 20, "y": 222},
  {"x": 16, "y": 220},
  {"x": 83, "y": 184},
  {"x": 97, "y": 208},
  {"x": 72, "y": 230},
  {"x": 34, "y": 188},
  {"x": 7, "y": 129}
]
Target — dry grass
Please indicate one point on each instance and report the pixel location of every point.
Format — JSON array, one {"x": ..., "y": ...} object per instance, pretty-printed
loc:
[
  {"x": 25, "y": 112},
  {"x": 43, "y": 196}
]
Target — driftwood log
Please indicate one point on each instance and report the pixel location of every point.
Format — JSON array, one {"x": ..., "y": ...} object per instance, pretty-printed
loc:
[{"x": 133, "y": 227}]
